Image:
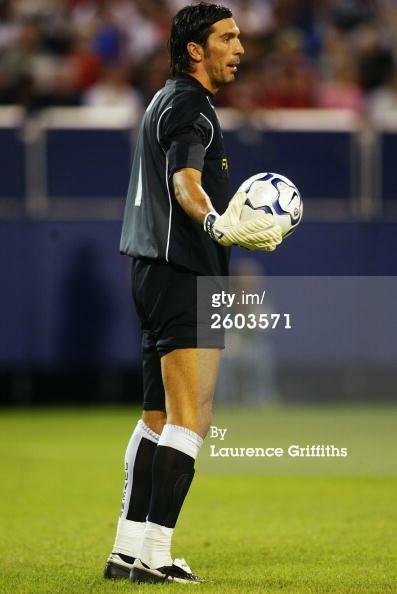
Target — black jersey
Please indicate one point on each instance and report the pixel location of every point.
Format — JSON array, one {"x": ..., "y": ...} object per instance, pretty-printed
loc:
[{"x": 179, "y": 129}]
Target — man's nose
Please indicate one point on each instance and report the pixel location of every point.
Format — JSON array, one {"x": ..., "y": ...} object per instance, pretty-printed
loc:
[{"x": 239, "y": 48}]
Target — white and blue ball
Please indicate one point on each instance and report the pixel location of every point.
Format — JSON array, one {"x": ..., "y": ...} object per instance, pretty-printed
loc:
[{"x": 274, "y": 194}]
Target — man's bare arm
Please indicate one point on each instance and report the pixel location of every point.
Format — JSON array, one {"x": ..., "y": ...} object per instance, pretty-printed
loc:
[{"x": 190, "y": 194}]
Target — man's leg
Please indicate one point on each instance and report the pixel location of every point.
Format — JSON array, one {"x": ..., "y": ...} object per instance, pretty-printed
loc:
[
  {"x": 138, "y": 469},
  {"x": 155, "y": 420},
  {"x": 136, "y": 496},
  {"x": 189, "y": 378}
]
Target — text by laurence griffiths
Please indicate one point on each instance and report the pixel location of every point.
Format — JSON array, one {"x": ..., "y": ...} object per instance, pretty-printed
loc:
[{"x": 293, "y": 450}]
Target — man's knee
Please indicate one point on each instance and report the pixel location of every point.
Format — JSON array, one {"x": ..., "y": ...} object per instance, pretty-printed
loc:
[
  {"x": 196, "y": 420},
  {"x": 189, "y": 377},
  {"x": 155, "y": 420}
]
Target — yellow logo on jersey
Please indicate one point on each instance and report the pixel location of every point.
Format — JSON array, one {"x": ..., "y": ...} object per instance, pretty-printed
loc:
[{"x": 225, "y": 166}]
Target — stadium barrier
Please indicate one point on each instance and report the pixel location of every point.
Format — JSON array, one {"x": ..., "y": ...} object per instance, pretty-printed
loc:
[{"x": 343, "y": 168}]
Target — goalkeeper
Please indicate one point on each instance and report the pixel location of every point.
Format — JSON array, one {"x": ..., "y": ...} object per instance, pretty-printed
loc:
[{"x": 174, "y": 232}]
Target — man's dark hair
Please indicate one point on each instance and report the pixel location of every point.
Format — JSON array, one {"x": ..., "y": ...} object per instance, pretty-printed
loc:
[{"x": 192, "y": 23}]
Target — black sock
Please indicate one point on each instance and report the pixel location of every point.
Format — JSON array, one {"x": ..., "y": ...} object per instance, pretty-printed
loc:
[
  {"x": 126, "y": 558},
  {"x": 172, "y": 474},
  {"x": 138, "y": 505}
]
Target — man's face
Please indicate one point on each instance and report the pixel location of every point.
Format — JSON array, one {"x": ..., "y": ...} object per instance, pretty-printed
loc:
[{"x": 222, "y": 53}]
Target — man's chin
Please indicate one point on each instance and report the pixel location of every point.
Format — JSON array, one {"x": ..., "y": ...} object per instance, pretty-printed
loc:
[{"x": 227, "y": 79}]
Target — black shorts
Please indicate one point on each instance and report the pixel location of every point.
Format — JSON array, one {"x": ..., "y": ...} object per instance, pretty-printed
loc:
[{"x": 166, "y": 302}]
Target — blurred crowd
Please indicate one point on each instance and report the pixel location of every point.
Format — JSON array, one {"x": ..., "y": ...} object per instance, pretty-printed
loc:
[{"x": 298, "y": 53}]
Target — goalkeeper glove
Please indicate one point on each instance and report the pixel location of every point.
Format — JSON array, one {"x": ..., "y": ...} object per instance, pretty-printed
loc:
[{"x": 257, "y": 233}]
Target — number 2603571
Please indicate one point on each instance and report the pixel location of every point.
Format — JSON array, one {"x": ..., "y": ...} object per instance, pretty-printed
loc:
[{"x": 251, "y": 321}]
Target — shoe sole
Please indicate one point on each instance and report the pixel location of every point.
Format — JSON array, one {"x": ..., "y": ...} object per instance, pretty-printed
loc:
[
  {"x": 114, "y": 571},
  {"x": 141, "y": 576}
]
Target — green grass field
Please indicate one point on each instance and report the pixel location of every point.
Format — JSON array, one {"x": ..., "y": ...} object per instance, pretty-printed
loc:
[{"x": 61, "y": 482}]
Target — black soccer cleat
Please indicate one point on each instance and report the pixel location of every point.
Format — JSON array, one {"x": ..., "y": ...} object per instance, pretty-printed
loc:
[
  {"x": 179, "y": 572},
  {"x": 118, "y": 566}
]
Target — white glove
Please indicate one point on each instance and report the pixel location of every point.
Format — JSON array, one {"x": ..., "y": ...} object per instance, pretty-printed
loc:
[{"x": 257, "y": 233}]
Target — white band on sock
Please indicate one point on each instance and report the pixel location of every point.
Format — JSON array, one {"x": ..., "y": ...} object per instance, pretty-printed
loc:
[
  {"x": 156, "y": 545},
  {"x": 182, "y": 439},
  {"x": 147, "y": 432},
  {"x": 129, "y": 537}
]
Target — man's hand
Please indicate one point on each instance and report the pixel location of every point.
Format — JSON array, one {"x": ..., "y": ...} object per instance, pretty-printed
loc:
[{"x": 258, "y": 233}]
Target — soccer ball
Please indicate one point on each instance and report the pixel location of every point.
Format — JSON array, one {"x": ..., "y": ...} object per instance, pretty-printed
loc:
[{"x": 276, "y": 195}]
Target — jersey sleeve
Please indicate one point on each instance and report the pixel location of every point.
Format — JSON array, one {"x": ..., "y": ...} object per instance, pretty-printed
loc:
[{"x": 185, "y": 133}]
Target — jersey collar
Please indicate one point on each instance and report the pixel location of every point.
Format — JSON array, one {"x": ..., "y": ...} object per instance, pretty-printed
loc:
[{"x": 194, "y": 81}]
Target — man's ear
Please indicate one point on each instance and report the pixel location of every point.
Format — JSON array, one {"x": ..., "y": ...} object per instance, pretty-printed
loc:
[{"x": 195, "y": 51}]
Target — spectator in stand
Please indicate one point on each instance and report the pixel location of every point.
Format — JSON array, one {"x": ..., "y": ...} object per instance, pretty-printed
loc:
[
  {"x": 114, "y": 90},
  {"x": 22, "y": 64},
  {"x": 383, "y": 100},
  {"x": 289, "y": 79},
  {"x": 151, "y": 74},
  {"x": 375, "y": 59},
  {"x": 341, "y": 90},
  {"x": 107, "y": 42},
  {"x": 247, "y": 90},
  {"x": 255, "y": 17},
  {"x": 86, "y": 64},
  {"x": 144, "y": 25},
  {"x": 62, "y": 92}
]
